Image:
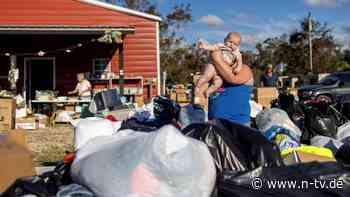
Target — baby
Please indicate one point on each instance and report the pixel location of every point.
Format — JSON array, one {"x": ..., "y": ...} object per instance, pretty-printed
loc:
[{"x": 231, "y": 55}]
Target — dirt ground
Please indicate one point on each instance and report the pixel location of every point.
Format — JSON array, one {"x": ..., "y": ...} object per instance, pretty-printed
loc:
[{"x": 49, "y": 145}]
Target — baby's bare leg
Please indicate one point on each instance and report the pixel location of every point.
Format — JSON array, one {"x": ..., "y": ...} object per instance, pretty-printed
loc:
[
  {"x": 217, "y": 83},
  {"x": 208, "y": 74}
]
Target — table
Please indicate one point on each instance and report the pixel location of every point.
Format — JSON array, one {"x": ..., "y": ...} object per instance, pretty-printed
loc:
[
  {"x": 52, "y": 108},
  {"x": 61, "y": 101},
  {"x": 53, "y": 103}
]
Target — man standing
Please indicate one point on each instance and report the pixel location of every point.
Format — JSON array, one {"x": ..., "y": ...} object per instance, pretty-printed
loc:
[{"x": 269, "y": 78}]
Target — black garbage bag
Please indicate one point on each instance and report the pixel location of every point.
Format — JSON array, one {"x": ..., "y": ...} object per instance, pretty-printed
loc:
[
  {"x": 45, "y": 185},
  {"x": 145, "y": 126},
  {"x": 317, "y": 124},
  {"x": 235, "y": 147},
  {"x": 31, "y": 185},
  {"x": 324, "y": 125},
  {"x": 165, "y": 109},
  {"x": 318, "y": 120},
  {"x": 301, "y": 181},
  {"x": 343, "y": 153}
]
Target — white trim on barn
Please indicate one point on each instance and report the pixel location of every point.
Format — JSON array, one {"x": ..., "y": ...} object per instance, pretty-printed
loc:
[
  {"x": 121, "y": 9},
  {"x": 158, "y": 60}
]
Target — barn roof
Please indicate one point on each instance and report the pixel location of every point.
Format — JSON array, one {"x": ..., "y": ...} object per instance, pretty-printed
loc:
[
  {"x": 68, "y": 13},
  {"x": 121, "y": 9}
]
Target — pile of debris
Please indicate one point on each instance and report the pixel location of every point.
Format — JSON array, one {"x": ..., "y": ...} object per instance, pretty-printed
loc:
[{"x": 166, "y": 150}]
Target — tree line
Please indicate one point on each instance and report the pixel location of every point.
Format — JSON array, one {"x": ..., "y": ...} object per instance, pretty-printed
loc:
[{"x": 180, "y": 58}]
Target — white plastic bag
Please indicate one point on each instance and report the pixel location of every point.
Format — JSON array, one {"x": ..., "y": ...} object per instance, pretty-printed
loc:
[
  {"x": 21, "y": 112},
  {"x": 255, "y": 108},
  {"x": 74, "y": 190},
  {"x": 143, "y": 113},
  {"x": 343, "y": 131},
  {"x": 164, "y": 163},
  {"x": 278, "y": 118},
  {"x": 64, "y": 116},
  {"x": 89, "y": 128},
  {"x": 191, "y": 114},
  {"x": 327, "y": 142}
]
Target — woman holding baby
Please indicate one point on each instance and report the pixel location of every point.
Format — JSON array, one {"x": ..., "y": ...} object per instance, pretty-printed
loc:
[{"x": 232, "y": 81}]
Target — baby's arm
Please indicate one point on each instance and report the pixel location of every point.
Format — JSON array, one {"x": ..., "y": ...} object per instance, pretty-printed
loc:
[{"x": 210, "y": 47}]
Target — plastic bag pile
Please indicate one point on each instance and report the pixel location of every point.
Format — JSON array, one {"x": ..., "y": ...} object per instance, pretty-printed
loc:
[{"x": 164, "y": 163}]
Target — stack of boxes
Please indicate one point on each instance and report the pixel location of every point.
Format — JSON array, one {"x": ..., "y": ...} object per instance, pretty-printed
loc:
[
  {"x": 181, "y": 96},
  {"x": 7, "y": 114},
  {"x": 264, "y": 96}
]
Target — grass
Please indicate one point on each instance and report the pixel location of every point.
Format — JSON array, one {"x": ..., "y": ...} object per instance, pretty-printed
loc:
[
  {"x": 50, "y": 145},
  {"x": 51, "y": 154}
]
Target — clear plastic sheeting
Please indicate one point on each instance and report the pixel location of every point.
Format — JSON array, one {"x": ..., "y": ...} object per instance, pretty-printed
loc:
[
  {"x": 163, "y": 163},
  {"x": 190, "y": 114},
  {"x": 327, "y": 142},
  {"x": 74, "y": 190},
  {"x": 255, "y": 108},
  {"x": 89, "y": 128},
  {"x": 274, "y": 117},
  {"x": 143, "y": 113},
  {"x": 343, "y": 131}
]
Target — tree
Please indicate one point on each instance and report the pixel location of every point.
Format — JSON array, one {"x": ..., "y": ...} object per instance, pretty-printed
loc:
[
  {"x": 293, "y": 49},
  {"x": 347, "y": 56},
  {"x": 250, "y": 58},
  {"x": 140, "y": 5}
]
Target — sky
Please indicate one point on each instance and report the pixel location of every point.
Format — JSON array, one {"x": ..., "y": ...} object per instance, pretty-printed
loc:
[{"x": 257, "y": 20}]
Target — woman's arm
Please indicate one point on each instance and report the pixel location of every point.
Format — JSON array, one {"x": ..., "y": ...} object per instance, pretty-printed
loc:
[
  {"x": 225, "y": 71},
  {"x": 72, "y": 92},
  {"x": 75, "y": 91}
]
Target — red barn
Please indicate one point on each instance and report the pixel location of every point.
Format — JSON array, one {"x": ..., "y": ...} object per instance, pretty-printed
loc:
[{"x": 52, "y": 41}]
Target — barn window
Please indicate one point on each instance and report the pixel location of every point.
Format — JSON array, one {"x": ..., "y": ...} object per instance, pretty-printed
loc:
[{"x": 101, "y": 65}]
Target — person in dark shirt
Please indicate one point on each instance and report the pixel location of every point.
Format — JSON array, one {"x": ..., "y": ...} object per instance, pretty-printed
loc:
[{"x": 269, "y": 78}]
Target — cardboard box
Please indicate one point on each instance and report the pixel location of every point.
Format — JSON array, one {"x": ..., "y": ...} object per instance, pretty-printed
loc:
[
  {"x": 181, "y": 98},
  {"x": 293, "y": 91},
  {"x": 264, "y": 96},
  {"x": 27, "y": 123},
  {"x": 69, "y": 108},
  {"x": 196, "y": 78},
  {"x": 180, "y": 91},
  {"x": 173, "y": 96},
  {"x": 265, "y": 102},
  {"x": 180, "y": 86},
  {"x": 139, "y": 100},
  {"x": 16, "y": 160},
  {"x": 7, "y": 114},
  {"x": 301, "y": 157},
  {"x": 43, "y": 121}
]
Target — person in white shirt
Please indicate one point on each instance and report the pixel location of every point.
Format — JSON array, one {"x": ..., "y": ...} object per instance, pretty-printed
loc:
[{"x": 83, "y": 88}]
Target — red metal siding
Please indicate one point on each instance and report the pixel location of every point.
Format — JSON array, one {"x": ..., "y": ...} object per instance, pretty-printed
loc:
[
  {"x": 61, "y": 12},
  {"x": 140, "y": 48}
]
